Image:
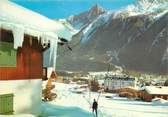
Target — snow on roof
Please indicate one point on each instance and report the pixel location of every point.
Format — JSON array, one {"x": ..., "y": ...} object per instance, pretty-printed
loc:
[
  {"x": 157, "y": 90},
  {"x": 24, "y": 21},
  {"x": 13, "y": 14},
  {"x": 5, "y": 91}
]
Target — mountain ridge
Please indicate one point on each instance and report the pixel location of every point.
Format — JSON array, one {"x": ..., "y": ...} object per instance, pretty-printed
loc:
[
  {"x": 81, "y": 20},
  {"x": 136, "y": 42}
]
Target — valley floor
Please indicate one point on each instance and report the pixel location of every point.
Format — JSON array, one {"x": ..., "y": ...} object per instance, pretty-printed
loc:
[{"x": 69, "y": 104}]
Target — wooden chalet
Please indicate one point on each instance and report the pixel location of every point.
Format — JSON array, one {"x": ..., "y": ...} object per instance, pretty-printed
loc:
[
  {"x": 147, "y": 93},
  {"x": 24, "y": 37},
  {"x": 151, "y": 92}
]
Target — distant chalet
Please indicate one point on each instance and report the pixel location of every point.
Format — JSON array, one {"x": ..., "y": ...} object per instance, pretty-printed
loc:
[{"x": 151, "y": 92}]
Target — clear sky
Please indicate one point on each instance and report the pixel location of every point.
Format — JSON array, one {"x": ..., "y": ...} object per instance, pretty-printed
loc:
[{"x": 56, "y": 9}]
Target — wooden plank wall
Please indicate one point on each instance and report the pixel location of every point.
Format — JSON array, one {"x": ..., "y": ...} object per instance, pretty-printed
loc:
[{"x": 29, "y": 62}]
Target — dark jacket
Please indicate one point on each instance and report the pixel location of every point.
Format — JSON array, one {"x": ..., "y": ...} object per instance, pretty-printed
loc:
[{"x": 94, "y": 106}]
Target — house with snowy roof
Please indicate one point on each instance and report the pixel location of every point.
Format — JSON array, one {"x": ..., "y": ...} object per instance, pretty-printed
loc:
[
  {"x": 151, "y": 92},
  {"x": 25, "y": 37}
]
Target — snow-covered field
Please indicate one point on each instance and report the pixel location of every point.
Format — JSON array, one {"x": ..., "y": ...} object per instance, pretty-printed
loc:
[{"x": 69, "y": 104}]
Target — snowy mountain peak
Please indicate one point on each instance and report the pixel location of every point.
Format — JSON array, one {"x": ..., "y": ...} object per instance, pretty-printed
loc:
[
  {"x": 83, "y": 19},
  {"x": 152, "y": 1},
  {"x": 148, "y": 4},
  {"x": 97, "y": 9},
  {"x": 145, "y": 7}
]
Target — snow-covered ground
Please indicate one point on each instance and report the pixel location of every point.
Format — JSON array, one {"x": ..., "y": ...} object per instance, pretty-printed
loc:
[
  {"x": 69, "y": 104},
  {"x": 19, "y": 115}
]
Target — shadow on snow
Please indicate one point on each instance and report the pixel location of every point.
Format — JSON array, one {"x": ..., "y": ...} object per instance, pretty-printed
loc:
[{"x": 63, "y": 111}]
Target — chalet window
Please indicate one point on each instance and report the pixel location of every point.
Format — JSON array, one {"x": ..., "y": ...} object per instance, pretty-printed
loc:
[
  {"x": 7, "y": 51},
  {"x": 44, "y": 73}
]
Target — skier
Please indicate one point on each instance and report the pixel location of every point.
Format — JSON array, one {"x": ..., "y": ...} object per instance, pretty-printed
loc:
[{"x": 94, "y": 107}]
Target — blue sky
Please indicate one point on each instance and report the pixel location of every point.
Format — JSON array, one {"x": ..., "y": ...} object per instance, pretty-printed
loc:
[{"x": 56, "y": 9}]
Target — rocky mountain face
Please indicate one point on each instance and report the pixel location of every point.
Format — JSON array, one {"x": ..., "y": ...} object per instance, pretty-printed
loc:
[
  {"x": 135, "y": 38},
  {"x": 82, "y": 20}
]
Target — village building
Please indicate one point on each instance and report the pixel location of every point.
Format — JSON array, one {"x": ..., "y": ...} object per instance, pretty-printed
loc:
[
  {"x": 27, "y": 39},
  {"x": 114, "y": 82},
  {"x": 147, "y": 93},
  {"x": 130, "y": 92},
  {"x": 151, "y": 92}
]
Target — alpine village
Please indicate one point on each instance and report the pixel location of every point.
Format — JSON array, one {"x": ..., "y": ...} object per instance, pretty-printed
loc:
[{"x": 83, "y": 58}]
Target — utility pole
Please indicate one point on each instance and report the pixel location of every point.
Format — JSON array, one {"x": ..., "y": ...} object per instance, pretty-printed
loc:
[{"x": 89, "y": 90}]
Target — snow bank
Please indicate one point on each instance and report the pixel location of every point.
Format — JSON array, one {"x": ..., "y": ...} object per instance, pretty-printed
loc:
[
  {"x": 53, "y": 110},
  {"x": 20, "y": 115},
  {"x": 67, "y": 103},
  {"x": 27, "y": 95},
  {"x": 159, "y": 101},
  {"x": 111, "y": 95}
]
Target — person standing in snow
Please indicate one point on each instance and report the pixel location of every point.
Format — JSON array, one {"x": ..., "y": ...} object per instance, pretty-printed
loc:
[{"x": 94, "y": 106}]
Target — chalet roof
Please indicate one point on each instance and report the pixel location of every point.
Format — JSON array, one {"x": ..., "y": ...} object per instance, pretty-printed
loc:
[
  {"x": 24, "y": 21},
  {"x": 5, "y": 91},
  {"x": 162, "y": 90},
  {"x": 13, "y": 16}
]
